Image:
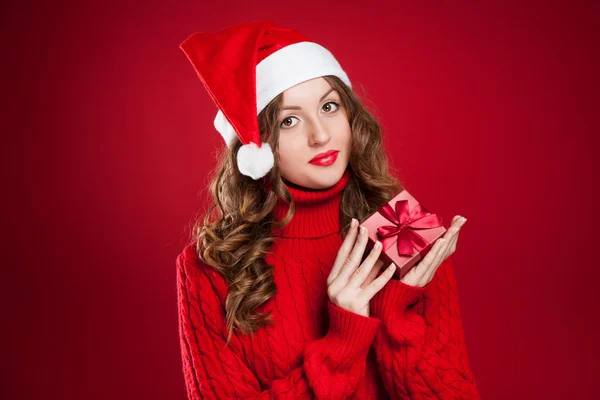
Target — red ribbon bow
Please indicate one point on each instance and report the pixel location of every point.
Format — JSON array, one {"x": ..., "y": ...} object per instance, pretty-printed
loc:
[{"x": 405, "y": 224}]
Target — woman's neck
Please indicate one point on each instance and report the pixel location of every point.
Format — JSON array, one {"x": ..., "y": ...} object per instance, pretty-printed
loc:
[{"x": 317, "y": 211}]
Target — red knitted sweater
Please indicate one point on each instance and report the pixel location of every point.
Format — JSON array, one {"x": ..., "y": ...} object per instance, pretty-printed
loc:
[{"x": 411, "y": 347}]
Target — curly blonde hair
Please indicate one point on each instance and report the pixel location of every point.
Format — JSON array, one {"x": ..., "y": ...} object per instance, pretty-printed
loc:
[{"x": 235, "y": 233}]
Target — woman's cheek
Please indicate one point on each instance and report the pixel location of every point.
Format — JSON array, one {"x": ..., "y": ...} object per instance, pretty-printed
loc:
[{"x": 286, "y": 154}]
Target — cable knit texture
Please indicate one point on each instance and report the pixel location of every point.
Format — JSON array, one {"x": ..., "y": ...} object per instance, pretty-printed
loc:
[{"x": 412, "y": 345}]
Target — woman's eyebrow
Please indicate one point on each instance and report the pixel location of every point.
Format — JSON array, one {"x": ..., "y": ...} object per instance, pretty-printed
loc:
[{"x": 300, "y": 108}]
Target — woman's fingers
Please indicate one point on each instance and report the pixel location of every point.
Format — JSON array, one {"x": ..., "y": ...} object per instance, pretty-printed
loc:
[
  {"x": 441, "y": 253},
  {"x": 452, "y": 244},
  {"x": 414, "y": 277},
  {"x": 372, "y": 274},
  {"x": 455, "y": 238},
  {"x": 371, "y": 290},
  {"x": 430, "y": 257},
  {"x": 361, "y": 273},
  {"x": 449, "y": 238},
  {"x": 439, "y": 257},
  {"x": 354, "y": 258}
]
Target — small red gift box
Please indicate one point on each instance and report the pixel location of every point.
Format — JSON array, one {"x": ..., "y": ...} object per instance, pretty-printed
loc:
[{"x": 406, "y": 230}]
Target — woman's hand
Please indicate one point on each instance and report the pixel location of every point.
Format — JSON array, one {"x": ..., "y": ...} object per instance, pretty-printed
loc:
[
  {"x": 422, "y": 273},
  {"x": 346, "y": 285}
]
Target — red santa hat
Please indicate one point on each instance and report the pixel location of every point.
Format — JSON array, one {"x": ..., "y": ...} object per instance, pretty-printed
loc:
[{"x": 243, "y": 68}]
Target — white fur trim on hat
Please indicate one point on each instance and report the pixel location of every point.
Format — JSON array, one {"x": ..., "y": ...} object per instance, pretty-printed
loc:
[
  {"x": 282, "y": 70},
  {"x": 292, "y": 65},
  {"x": 224, "y": 128}
]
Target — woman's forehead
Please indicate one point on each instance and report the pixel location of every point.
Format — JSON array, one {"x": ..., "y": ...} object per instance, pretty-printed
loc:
[{"x": 308, "y": 91}]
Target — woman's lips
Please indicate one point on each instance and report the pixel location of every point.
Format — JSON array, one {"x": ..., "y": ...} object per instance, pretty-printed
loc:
[{"x": 324, "y": 161}]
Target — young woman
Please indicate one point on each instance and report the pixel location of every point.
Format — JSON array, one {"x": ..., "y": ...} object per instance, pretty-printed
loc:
[{"x": 277, "y": 296}]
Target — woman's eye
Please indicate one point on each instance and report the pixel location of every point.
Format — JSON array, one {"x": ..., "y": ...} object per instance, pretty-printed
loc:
[
  {"x": 328, "y": 108},
  {"x": 286, "y": 123}
]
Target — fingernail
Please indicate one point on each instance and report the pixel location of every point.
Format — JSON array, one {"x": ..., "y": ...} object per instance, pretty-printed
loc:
[
  {"x": 353, "y": 223},
  {"x": 463, "y": 221},
  {"x": 362, "y": 230}
]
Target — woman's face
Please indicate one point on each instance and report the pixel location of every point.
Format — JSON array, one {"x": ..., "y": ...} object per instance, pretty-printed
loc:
[{"x": 311, "y": 122}]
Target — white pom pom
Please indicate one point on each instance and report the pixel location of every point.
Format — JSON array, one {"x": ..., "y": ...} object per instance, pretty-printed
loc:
[{"x": 253, "y": 161}]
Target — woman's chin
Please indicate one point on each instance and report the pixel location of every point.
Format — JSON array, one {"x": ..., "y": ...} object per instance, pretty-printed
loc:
[{"x": 317, "y": 178}]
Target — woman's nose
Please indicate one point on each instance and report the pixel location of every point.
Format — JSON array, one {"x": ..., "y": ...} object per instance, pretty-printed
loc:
[{"x": 318, "y": 133}]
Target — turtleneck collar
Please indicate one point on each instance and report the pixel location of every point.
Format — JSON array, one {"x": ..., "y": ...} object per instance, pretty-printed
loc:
[{"x": 317, "y": 210}]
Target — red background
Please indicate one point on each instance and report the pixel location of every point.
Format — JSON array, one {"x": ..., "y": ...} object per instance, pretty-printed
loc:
[{"x": 490, "y": 111}]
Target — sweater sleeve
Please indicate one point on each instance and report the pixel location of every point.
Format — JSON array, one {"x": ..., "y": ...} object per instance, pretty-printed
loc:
[
  {"x": 420, "y": 348},
  {"x": 332, "y": 366}
]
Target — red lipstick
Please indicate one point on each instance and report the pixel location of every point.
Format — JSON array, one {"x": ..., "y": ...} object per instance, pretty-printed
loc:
[{"x": 326, "y": 158}]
